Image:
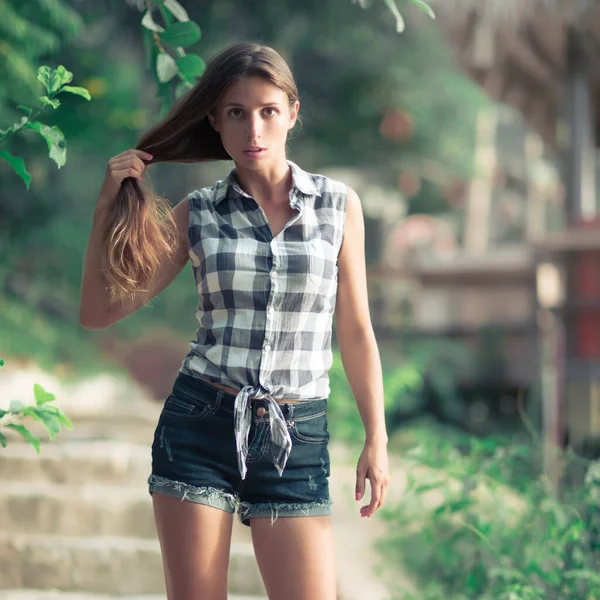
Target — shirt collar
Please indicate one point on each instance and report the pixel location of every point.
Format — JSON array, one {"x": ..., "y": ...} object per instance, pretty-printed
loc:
[{"x": 301, "y": 182}]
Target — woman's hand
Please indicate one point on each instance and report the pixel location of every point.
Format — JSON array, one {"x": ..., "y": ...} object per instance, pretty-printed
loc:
[
  {"x": 127, "y": 164},
  {"x": 373, "y": 465}
]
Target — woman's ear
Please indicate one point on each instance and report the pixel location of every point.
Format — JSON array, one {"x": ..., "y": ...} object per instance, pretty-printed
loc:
[
  {"x": 212, "y": 121},
  {"x": 294, "y": 108}
]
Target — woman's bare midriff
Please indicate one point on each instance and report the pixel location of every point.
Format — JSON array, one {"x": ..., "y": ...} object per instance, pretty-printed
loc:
[{"x": 234, "y": 392}]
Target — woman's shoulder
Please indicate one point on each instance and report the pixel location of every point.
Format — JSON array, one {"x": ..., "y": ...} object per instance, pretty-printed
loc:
[
  {"x": 325, "y": 184},
  {"x": 210, "y": 193}
]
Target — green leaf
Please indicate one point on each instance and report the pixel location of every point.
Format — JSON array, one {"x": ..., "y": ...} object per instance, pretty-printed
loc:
[
  {"x": 35, "y": 442},
  {"x": 399, "y": 20},
  {"x": 41, "y": 395},
  {"x": 176, "y": 10},
  {"x": 51, "y": 423},
  {"x": 424, "y": 7},
  {"x": 16, "y": 406},
  {"x": 55, "y": 139},
  {"x": 149, "y": 23},
  {"x": 1, "y": 362},
  {"x": 53, "y": 79},
  {"x": 64, "y": 420},
  {"x": 54, "y": 103},
  {"x": 191, "y": 65},
  {"x": 78, "y": 91},
  {"x": 181, "y": 34},
  {"x": 166, "y": 67},
  {"x": 18, "y": 165},
  {"x": 25, "y": 109},
  {"x": 2, "y": 440}
]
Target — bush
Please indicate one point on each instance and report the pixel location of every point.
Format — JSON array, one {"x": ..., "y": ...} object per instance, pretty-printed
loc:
[{"x": 475, "y": 525}]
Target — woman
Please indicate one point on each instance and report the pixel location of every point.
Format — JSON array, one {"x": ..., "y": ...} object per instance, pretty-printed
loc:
[{"x": 275, "y": 252}]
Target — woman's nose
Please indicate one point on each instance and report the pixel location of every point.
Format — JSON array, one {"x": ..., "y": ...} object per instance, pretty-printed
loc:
[{"x": 255, "y": 127}]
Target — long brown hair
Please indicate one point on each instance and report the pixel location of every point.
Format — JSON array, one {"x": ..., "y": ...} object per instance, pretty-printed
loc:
[{"x": 140, "y": 229}]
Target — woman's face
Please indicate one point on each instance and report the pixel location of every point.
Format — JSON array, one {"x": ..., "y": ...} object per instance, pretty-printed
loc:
[{"x": 253, "y": 118}]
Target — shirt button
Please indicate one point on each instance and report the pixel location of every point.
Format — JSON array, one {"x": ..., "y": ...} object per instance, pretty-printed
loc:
[
  {"x": 267, "y": 347},
  {"x": 271, "y": 309},
  {"x": 273, "y": 274}
]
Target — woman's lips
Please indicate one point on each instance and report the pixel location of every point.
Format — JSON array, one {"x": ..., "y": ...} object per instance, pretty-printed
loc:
[{"x": 255, "y": 153}]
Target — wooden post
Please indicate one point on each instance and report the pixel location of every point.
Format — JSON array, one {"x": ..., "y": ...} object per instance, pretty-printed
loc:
[{"x": 479, "y": 203}]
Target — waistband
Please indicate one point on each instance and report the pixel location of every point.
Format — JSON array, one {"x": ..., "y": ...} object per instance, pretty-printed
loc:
[{"x": 243, "y": 405}]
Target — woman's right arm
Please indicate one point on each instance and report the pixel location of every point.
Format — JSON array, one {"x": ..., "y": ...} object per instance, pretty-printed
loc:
[{"x": 95, "y": 311}]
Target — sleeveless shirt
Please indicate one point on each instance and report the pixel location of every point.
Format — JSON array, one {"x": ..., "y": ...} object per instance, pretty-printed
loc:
[{"x": 265, "y": 304}]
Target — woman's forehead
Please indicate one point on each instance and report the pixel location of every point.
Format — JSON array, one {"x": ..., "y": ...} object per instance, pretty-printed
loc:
[{"x": 253, "y": 90}]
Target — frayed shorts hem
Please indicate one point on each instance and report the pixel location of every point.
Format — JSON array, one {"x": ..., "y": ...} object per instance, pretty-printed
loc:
[{"x": 228, "y": 502}]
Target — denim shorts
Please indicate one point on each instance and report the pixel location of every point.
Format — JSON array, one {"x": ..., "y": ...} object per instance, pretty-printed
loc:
[{"x": 194, "y": 455}]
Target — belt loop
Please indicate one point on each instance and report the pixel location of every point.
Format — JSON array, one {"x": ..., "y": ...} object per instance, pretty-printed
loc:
[{"x": 290, "y": 410}]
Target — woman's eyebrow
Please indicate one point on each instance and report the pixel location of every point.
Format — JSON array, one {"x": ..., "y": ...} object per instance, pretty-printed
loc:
[{"x": 238, "y": 105}]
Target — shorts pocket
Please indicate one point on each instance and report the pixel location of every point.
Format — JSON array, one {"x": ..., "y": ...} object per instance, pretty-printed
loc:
[
  {"x": 184, "y": 406},
  {"x": 310, "y": 429}
]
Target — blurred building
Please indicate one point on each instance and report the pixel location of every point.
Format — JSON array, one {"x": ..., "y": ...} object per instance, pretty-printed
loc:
[{"x": 527, "y": 259}]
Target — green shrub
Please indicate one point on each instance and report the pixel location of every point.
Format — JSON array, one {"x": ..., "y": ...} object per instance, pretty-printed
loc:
[
  {"x": 48, "y": 415},
  {"x": 478, "y": 525}
]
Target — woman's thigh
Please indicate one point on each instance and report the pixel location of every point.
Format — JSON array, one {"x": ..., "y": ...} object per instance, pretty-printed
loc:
[
  {"x": 193, "y": 491},
  {"x": 295, "y": 556},
  {"x": 289, "y": 515},
  {"x": 195, "y": 542}
]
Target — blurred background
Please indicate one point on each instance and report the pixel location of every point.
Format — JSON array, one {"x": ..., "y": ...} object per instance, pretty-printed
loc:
[{"x": 471, "y": 141}]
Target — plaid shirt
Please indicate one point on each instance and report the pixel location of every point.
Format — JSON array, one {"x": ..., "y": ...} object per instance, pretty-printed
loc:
[{"x": 266, "y": 305}]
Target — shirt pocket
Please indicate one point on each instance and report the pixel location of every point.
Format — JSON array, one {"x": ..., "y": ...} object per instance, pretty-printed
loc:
[{"x": 322, "y": 262}]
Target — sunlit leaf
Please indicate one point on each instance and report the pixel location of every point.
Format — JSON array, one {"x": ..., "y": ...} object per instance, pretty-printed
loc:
[
  {"x": 176, "y": 10},
  {"x": 53, "y": 102},
  {"x": 166, "y": 67},
  {"x": 399, "y": 20},
  {"x": 424, "y": 7},
  {"x": 18, "y": 165},
  {"x": 35, "y": 442},
  {"x": 149, "y": 23},
  {"x": 55, "y": 139},
  {"x": 16, "y": 406},
  {"x": 78, "y": 91},
  {"x": 53, "y": 79},
  {"x": 41, "y": 395}
]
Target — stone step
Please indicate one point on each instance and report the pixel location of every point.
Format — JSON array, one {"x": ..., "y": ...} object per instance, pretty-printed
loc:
[
  {"x": 114, "y": 566},
  {"x": 60, "y": 595},
  {"x": 78, "y": 462},
  {"x": 83, "y": 510},
  {"x": 125, "y": 428}
]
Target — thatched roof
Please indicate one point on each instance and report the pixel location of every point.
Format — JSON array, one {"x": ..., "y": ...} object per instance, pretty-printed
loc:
[{"x": 516, "y": 49}]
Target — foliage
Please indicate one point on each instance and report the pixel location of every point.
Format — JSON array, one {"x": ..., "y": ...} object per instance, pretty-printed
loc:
[
  {"x": 344, "y": 418},
  {"x": 49, "y": 416},
  {"x": 391, "y": 4},
  {"x": 30, "y": 31},
  {"x": 55, "y": 81},
  {"x": 469, "y": 526},
  {"x": 169, "y": 66},
  {"x": 42, "y": 241}
]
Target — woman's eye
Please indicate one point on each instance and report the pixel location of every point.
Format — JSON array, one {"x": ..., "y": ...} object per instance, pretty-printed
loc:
[
  {"x": 235, "y": 112},
  {"x": 272, "y": 111}
]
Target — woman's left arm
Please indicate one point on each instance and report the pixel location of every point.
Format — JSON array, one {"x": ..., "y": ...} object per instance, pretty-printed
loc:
[{"x": 360, "y": 356}]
